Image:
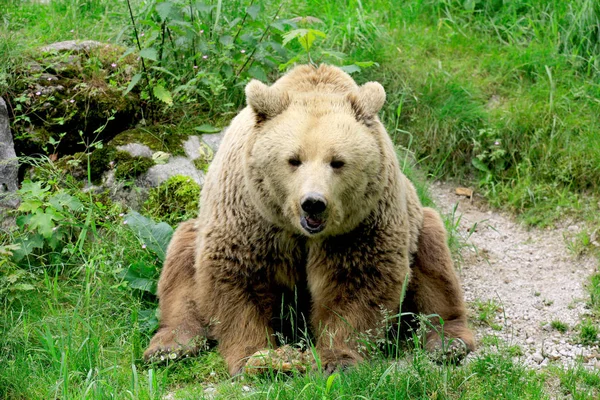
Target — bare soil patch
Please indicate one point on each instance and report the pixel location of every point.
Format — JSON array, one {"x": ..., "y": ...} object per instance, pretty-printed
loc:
[{"x": 529, "y": 274}]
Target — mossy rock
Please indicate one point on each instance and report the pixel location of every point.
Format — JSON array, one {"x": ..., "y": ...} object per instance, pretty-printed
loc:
[
  {"x": 71, "y": 98},
  {"x": 100, "y": 161},
  {"x": 128, "y": 167},
  {"x": 165, "y": 138},
  {"x": 174, "y": 201}
]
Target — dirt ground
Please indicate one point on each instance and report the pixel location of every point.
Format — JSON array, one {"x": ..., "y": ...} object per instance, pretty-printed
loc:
[{"x": 529, "y": 274}]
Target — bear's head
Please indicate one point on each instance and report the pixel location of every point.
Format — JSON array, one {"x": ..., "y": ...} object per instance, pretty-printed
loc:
[{"x": 315, "y": 162}]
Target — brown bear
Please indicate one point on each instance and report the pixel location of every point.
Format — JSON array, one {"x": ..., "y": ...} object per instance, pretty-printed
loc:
[{"x": 306, "y": 192}]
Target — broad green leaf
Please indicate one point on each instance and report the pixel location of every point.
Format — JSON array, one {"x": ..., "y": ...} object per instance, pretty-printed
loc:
[
  {"x": 42, "y": 222},
  {"x": 27, "y": 245},
  {"x": 477, "y": 163},
  {"x": 291, "y": 35},
  {"x": 253, "y": 11},
  {"x": 147, "y": 320},
  {"x": 226, "y": 40},
  {"x": 310, "y": 37},
  {"x": 149, "y": 53},
  {"x": 141, "y": 276},
  {"x": 203, "y": 8},
  {"x": 31, "y": 205},
  {"x": 162, "y": 94},
  {"x": 258, "y": 72},
  {"x": 234, "y": 22},
  {"x": 61, "y": 199},
  {"x": 207, "y": 128},
  {"x": 33, "y": 189},
  {"x": 305, "y": 37},
  {"x": 350, "y": 69},
  {"x": 134, "y": 81},
  {"x": 23, "y": 220},
  {"x": 164, "y": 10},
  {"x": 155, "y": 236},
  {"x": 280, "y": 24}
]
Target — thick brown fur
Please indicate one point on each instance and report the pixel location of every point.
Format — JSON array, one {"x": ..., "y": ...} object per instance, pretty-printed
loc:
[{"x": 313, "y": 131}]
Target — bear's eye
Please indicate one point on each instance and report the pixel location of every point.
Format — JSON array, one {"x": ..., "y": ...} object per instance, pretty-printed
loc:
[
  {"x": 337, "y": 164},
  {"x": 294, "y": 162}
]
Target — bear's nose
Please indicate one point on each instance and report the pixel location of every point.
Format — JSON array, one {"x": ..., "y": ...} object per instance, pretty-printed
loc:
[{"x": 313, "y": 203}]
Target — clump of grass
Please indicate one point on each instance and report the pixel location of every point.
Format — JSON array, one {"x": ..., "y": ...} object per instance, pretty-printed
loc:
[
  {"x": 594, "y": 289},
  {"x": 560, "y": 326},
  {"x": 588, "y": 332},
  {"x": 486, "y": 312},
  {"x": 579, "y": 382}
]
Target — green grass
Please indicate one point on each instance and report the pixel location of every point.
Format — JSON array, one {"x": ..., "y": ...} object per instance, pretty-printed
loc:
[
  {"x": 502, "y": 96},
  {"x": 588, "y": 331},
  {"x": 560, "y": 326}
]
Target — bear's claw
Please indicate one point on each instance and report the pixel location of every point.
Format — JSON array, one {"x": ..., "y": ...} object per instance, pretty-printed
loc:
[{"x": 452, "y": 350}]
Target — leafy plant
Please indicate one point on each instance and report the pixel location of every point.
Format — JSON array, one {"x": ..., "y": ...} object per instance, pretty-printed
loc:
[
  {"x": 49, "y": 220},
  {"x": 199, "y": 53},
  {"x": 14, "y": 281},
  {"x": 489, "y": 155},
  {"x": 143, "y": 275},
  {"x": 154, "y": 236}
]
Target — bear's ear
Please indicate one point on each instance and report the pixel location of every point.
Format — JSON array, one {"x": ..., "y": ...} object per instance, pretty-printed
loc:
[
  {"x": 265, "y": 101},
  {"x": 367, "y": 101}
]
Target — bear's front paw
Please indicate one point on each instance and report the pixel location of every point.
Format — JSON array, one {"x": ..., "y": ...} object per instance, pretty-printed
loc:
[
  {"x": 165, "y": 346},
  {"x": 452, "y": 350},
  {"x": 333, "y": 360}
]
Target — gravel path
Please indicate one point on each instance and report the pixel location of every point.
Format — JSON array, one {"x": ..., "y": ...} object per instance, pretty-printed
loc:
[{"x": 529, "y": 274}]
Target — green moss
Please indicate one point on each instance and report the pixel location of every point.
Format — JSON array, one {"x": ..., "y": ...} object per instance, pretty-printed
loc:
[
  {"x": 162, "y": 138},
  {"x": 64, "y": 96},
  {"x": 100, "y": 161},
  {"x": 128, "y": 167},
  {"x": 201, "y": 164},
  {"x": 174, "y": 201}
]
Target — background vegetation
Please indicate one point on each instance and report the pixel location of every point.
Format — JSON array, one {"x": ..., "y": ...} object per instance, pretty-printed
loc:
[{"x": 500, "y": 95}]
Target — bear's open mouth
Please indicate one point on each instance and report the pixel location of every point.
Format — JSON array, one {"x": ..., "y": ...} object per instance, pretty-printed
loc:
[{"x": 312, "y": 223}]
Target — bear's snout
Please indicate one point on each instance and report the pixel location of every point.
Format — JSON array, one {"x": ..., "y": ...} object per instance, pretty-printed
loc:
[
  {"x": 314, "y": 206},
  {"x": 313, "y": 203}
]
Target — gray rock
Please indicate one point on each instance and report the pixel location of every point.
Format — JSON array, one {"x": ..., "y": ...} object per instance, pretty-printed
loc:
[
  {"x": 538, "y": 358},
  {"x": 175, "y": 166},
  {"x": 191, "y": 146},
  {"x": 9, "y": 165},
  {"x": 214, "y": 140},
  {"x": 71, "y": 45},
  {"x": 132, "y": 197},
  {"x": 136, "y": 150}
]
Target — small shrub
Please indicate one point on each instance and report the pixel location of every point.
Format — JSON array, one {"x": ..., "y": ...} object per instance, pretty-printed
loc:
[{"x": 49, "y": 222}]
